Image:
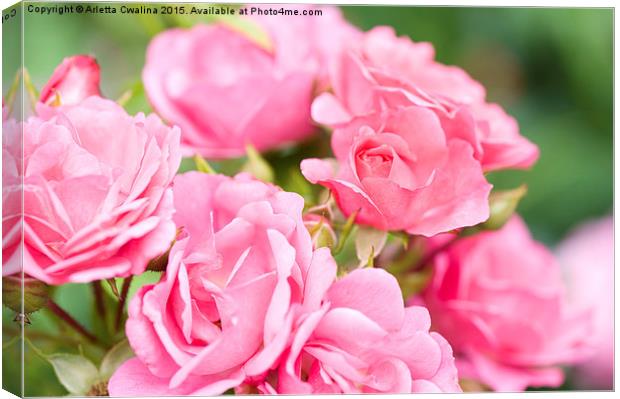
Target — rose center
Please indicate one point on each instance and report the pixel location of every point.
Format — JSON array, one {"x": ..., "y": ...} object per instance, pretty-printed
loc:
[{"x": 375, "y": 162}]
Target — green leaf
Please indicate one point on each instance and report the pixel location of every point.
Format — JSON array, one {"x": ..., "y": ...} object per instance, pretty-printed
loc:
[
  {"x": 250, "y": 29},
  {"x": 10, "y": 95},
  {"x": 76, "y": 373},
  {"x": 345, "y": 232},
  {"x": 33, "y": 93},
  {"x": 202, "y": 165},
  {"x": 112, "y": 360},
  {"x": 257, "y": 166},
  {"x": 140, "y": 281}
]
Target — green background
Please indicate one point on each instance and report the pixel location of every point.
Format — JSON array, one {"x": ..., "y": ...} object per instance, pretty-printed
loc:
[{"x": 550, "y": 68}]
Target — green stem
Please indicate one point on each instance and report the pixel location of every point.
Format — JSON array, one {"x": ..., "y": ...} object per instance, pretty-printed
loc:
[
  {"x": 99, "y": 303},
  {"x": 36, "y": 350},
  {"x": 346, "y": 231},
  {"x": 42, "y": 335},
  {"x": 10, "y": 342},
  {"x": 67, "y": 318}
]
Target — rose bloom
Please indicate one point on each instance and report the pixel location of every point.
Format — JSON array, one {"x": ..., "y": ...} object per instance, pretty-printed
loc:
[
  {"x": 11, "y": 194},
  {"x": 75, "y": 79},
  {"x": 97, "y": 201},
  {"x": 587, "y": 259},
  {"x": 383, "y": 70},
  {"x": 399, "y": 171},
  {"x": 499, "y": 299},
  {"x": 363, "y": 340},
  {"x": 241, "y": 273},
  {"x": 326, "y": 36},
  {"x": 227, "y": 89}
]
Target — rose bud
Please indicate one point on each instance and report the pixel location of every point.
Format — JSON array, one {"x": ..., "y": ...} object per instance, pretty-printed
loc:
[{"x": 75, "y": 79}]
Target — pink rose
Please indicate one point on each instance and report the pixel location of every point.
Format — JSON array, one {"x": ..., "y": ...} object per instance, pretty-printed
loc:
[
  {"x": 237, "y": 279},
  {"x": 97, "y": 201},
  {"x": 11, "y": 194},
  {"x": 400, "y": 172},
  {"x": 363, "y": 340},
  {"x": 75, "y": 79},
  {"x": 498, "y": 297},
  {"x": 226, "y": 90},
  {"x": 388, "y": 71},
  {"x": 587, "y": 259},
  {"x": 325, "y": 35}
]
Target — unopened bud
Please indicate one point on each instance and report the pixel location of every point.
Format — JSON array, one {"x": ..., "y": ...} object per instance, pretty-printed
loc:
[
  {"x": 36, "y": 293},
  {"x": 502, "y": 206}
]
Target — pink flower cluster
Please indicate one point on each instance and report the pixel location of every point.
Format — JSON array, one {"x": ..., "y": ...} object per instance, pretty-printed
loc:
[
  {"x": 246, "y": 303},
  {"x": 412, "y": 138},
  {"x": 250, "y": 300}
]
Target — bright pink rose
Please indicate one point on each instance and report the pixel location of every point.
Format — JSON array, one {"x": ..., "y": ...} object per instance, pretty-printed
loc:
[
  {"x": 75, "y": 79},
  {"x": 499, "y": 298},
  {"x": 400, "y": 172},
  {"x": 383, "y": 70},
  {"x": 587, "y": 259},
  {"x": 238, "y": 278},
  {"x": 97, "y": 201},
  {"x": 226, "y": 90},
  {"x": 363, "y": 340}
]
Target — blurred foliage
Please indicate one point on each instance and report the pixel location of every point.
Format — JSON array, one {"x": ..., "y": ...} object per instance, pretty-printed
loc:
[{"x": 550, "y": 68}]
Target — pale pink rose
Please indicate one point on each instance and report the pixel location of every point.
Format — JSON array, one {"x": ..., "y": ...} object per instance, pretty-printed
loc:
[
  {"x": 499, "y": 299},
  {"x": 325, "y": 37},
  {"x": 363, "y": 340},
  {"x": 587, "y": 259},
  {"x": 400, "y": 172},
  {"x": 75, "y": 79},
  {"x": 97, "y": 201},
  {"x": 384, "y": 70},
  {"x": 226, "y": 90},
  {"x": 239, "y": 277}
]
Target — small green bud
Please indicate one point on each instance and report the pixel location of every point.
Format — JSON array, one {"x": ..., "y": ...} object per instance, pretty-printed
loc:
[
  {"x": 36, "y": 293},
  {"x": 502, "y": 206}
]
